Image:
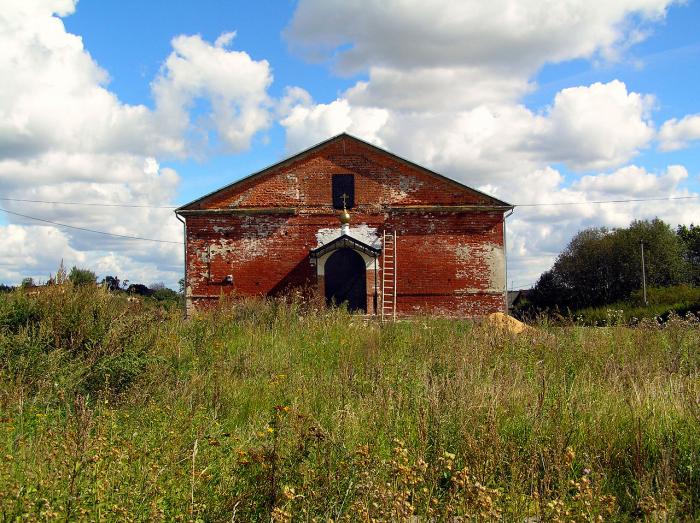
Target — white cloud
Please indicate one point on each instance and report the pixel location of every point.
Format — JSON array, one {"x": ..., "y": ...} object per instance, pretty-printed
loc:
[
  {"x": 55, "y": 96},
  {"x": 447, "y": 55},
  {"x": 64, "y": 136},
  {"x": 34, "y": 251},
  {"x": 510, "y": 34},
  {"x": 597, "y": 126},
  {"x": 234, "y": 84},
  {"x": 307, "y": 123},
  {"x": 537, "y": 234},
  {"x": 435, "y": 88},
  {"x": 677, "y": 134},
  {"x": 631, "y": 181},
  {"x": 450, "y": 78}
]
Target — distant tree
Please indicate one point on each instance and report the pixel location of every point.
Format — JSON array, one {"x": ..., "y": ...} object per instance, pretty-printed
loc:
[
  {"x": 139, "y": 289},
  {"x": 181, "y": 286},
  {"x": 27, "y": 282},
  {"x": 81, "y": 276},
  {"x": 157, "y": 286},
  {"x": 165, "y": 294},
  {"x": 6, "y": 288},
  {"x": 690, "y": 236},
  {"x": 602, "y": 266},
  {"x": 111, "y": 282}
]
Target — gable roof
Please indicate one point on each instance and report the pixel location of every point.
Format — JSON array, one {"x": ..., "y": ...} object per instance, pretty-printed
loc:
[
  {"x": 493, "y": 201},
  {"x": 345, "y": 240}
]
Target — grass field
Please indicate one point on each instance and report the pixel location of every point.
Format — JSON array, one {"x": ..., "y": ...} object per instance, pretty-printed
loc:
[{"x": 111, "y": 410}]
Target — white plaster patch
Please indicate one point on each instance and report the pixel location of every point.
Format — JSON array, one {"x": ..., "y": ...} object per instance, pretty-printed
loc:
[
  {"x": 238, "y": 201},
  {"x": 292, "y": 186},
  {"x": 463, "y": 252},
  {"x": 243, "y": 250},
  {"x": 493, "y": 258},
  {"x": 366, "y": 234},
  {"x": 407, "y": 185}
]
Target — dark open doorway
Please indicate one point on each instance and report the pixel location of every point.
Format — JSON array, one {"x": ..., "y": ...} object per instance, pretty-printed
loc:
[{"x": 345, "y": 280}]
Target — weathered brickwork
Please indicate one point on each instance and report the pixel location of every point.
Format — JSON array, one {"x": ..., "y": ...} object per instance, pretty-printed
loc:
[{"x": 254, "y": 237}]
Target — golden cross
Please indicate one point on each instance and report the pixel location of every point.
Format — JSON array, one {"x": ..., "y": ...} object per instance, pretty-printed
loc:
[{"x": 344, "y": 197}]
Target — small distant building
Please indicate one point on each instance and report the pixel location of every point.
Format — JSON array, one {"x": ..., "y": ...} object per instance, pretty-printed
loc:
[
  {"x": 358, "y": 225},
  {"x": 516, "y": 298}
]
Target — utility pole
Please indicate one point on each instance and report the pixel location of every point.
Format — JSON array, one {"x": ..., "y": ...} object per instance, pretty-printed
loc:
[{"x": 644, "y": 276}]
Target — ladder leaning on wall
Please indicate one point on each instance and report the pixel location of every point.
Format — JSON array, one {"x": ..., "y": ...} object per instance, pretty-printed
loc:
[{"x": 389, "y": 276}]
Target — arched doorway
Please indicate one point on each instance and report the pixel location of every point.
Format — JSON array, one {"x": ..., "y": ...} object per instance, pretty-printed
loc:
[{"x": 345, "y": 280}]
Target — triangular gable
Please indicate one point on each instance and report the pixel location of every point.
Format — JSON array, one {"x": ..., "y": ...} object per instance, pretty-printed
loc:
[
  {"x": 210, "y": 200},
  {"x": 345, "y": 240}
]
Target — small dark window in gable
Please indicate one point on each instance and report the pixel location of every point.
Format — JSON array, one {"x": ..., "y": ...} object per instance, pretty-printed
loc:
[{"x": 343, "y": 184}]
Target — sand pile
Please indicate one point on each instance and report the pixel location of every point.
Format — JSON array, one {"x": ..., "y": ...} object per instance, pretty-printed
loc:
[{"x": 507, "y": 323}]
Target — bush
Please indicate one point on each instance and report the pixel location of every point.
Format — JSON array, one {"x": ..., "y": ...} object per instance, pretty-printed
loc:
[
  {"x": 677, "y": 294},
  {"x": 86, "y": 338},
  {"x": 81, "y": 276},
  {"x": 664, "y": 302}
]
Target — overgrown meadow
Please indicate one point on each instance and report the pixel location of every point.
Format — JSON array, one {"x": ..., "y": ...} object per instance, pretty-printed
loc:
[{"x": 117, "y": 410}]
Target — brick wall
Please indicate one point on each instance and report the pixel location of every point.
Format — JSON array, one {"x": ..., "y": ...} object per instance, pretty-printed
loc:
[{"x": 449, "y": 262}]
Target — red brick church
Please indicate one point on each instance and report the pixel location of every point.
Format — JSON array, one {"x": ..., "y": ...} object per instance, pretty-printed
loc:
[{"x": 361, "y": 225}]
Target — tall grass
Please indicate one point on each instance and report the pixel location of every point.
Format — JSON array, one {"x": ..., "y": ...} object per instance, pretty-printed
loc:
[{"x": 111, "y": 410}]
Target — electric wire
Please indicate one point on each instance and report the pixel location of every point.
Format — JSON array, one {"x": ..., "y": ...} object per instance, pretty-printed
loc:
[
  {"x": 93, "y": 204},
  {"x": 607, "y": 201},
  {"x": 128, "y": 237},
  {"x": 543, "y": 204},
  {"x": 141, "y": 238}
]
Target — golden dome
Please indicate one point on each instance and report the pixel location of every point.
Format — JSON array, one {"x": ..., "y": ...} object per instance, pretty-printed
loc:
[{"x": 344, "y": 216}]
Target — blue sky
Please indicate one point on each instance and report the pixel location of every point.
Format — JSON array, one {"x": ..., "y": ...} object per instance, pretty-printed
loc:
[
  {"x": 531, "y": 101},
  {"x": 129, "y": 39}
]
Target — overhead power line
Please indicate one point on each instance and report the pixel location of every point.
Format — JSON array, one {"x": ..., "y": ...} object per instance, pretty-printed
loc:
[
  {"x": 140, "y": 238},
  {"x": 90, "y": 230},
  {"x": 608, "y": 201},
  {"x": 543, "y": 204},
  {"x": 130, "y": 205}
]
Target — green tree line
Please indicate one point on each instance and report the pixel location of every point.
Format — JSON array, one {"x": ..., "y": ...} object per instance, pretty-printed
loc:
[{"x": 600, "y": 266}]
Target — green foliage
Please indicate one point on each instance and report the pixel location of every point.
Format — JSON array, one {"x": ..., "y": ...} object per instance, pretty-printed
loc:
[
  {"x": 112, "y": 283},
  {"x": 81, "y": 276},
  {"x": 677, "y": 294},
  {"x": 663, "y": 303},
  {"x": 259, "y": 411},
  {"x": 83, "y": 338},
  {"x": 165, "y": 294},
  {"x": 601, "y": 266},
  {"x": 690, "y": 236}
]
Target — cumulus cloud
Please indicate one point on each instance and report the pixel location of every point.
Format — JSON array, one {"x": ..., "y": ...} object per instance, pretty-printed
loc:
[
  {"x": 537, "y": 234},
  {"x": 501, "y": 33},
  {"x": 446, "y": 84},
  {"x": 64, "y": 136},
  {"x": 598, "y": 126},
  {"x": 435, "y": 88},
  {"x": 456, "y": 55},
  {"x": 677, "y": 134},
  {"x": 234, "y": 83},
  {"x": 587, "y": 127},
  {"x": 308, "y": 123},
  {"x": 632, "y": 181}
]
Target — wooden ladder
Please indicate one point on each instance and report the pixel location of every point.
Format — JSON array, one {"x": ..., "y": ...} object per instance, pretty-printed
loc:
[{"x": 389, "y": 276}]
